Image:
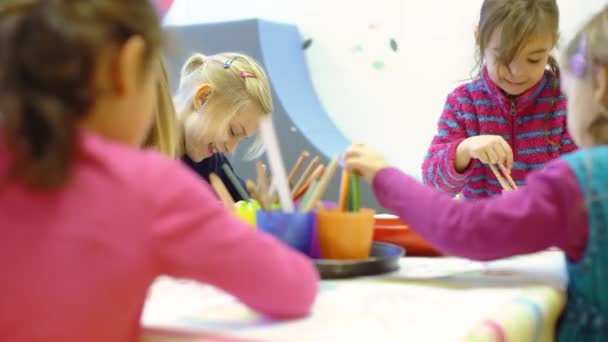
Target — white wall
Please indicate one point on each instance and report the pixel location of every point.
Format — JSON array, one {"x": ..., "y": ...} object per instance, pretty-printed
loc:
[{"x": 395, "y": 108}]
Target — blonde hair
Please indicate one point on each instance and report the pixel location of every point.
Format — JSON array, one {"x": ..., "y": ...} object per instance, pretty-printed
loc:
[
  {"x": 236, "y": 80},
  {"x": 585, "y": 52},
  {"x": 164, "y": 135}
]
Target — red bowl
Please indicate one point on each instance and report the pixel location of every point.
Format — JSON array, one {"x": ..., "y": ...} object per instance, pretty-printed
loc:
[{"x": 388, "y": 228}]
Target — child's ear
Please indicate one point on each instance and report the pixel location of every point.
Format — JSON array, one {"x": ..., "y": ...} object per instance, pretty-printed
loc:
[
  {"x": 600, "y": 85},
  {"x": 126, "y": 76},
  {"x": 202, "y": 94}
]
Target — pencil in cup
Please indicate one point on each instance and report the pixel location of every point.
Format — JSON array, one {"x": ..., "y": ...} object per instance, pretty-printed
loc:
[
  {"x": 320, "y": 189},
  {"x": 263, "y": 194},
  {"x": 306, "y": 174},
  {"x": 313, "y": 178},
  {"x": 235, "y": 182},
  {"x": 297, "y": 166},
  {"x": 356, "y": 200},
  {"x": 344, "y": 190},
  {"x": 221, "y": 191},
  {"x": 253, "y": 189}
]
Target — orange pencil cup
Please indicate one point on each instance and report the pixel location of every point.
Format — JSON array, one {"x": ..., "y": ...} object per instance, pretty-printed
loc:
[{"x": 345, "y": 235}]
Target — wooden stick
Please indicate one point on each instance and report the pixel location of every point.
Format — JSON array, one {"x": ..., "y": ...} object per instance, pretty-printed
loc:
[
  {"x": 502, "y": 182},
  {"x": 297, "y": 166},
  {"x": 235, "y": 182},
  {"x": 354, "y": 185},
  {"x": 315, "y": 175},
  {"x": 322, "y": 186},
  {"x": 268, "y": 177},
  {"x": 307, "y": 173},
  {"x": 263, "y": 186},
  {"x": 507, "y": 174},
  {"x": 221, "y": 190},
  {"x": 273, "y": 154},
  {"x": 344, "y": 185},
  {"x": 308, "y": 193},
  {"x": 274, "y": 197},
  {"x": 253, "y": 190}
]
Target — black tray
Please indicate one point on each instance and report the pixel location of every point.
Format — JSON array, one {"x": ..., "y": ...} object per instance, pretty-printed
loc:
[{"x": 384, "y": 257}]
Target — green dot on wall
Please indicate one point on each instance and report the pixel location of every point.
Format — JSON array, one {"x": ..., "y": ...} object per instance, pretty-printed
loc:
[
  {"x": 393, "y": 44},
  {"x": 378, "y": 65}
]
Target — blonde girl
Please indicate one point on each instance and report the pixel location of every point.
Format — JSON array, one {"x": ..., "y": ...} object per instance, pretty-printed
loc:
[{"x": 219, "y": 103}]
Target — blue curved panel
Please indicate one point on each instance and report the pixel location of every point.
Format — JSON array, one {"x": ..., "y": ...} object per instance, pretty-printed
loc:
[{"x": 285, "y": 62}]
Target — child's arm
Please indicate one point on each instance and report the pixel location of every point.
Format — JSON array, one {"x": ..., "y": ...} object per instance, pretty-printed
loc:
[
  {"x": 447, "y": 167},
  {"x": 194, "y": 236},
  {"x": 548, "y": 212}
]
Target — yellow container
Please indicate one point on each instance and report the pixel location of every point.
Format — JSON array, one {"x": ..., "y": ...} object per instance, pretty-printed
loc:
[{"x": 247, "y": 210}]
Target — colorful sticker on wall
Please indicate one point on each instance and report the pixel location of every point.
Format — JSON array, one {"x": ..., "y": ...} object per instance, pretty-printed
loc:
[
  {"x": 378, "y": 65},
  {"x": 306, "y": 43},
  {"x": 375, "y": 42},
  {"x": 372, "y": 46},
  {"x": 357, "y": 48},
  {"x": 393, "y": 44}
]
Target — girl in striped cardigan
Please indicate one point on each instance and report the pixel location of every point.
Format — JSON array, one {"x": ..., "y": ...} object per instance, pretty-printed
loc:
[
  {"x": 563, "y": 205},
  {"x": 513, "y": 114}
]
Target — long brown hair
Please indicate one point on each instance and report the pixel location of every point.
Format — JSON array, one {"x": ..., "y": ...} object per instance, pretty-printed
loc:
[
  {"x": 520, "y": 21},
  {"x": 48, "y": 53}
]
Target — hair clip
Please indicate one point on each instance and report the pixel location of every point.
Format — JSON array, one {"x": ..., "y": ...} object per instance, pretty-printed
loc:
[
  {"x": 229, "y": 62},
  {"x": 578, "y": 62},
  {"x": 245, "y": 74}
]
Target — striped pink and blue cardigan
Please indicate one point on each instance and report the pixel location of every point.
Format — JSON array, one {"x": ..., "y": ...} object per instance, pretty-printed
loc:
[{"x": 534, "y": 124}]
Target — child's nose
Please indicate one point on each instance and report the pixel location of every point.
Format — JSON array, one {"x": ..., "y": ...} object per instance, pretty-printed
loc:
[{"x": 516, "y": 70}]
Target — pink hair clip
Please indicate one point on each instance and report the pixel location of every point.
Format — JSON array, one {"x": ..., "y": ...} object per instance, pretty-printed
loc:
[
  {"x": 245, "y": 74},
  {"x": 578, "y": 62}
]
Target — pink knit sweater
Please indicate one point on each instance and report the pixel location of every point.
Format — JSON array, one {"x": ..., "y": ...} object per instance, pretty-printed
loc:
[
  {"x": 534, "y": 124},
  {"x": 77, "y": 261}
]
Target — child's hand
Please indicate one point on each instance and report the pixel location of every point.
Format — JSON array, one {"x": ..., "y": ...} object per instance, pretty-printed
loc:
[
  {"x": 489, "y": 149},
  {"x": 364, "y": 161}
]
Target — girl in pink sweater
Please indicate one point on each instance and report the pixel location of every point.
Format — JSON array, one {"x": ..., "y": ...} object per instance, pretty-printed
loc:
[
  {"x": 513, "y": 114},
  {"x": 87, "y": 220}
]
